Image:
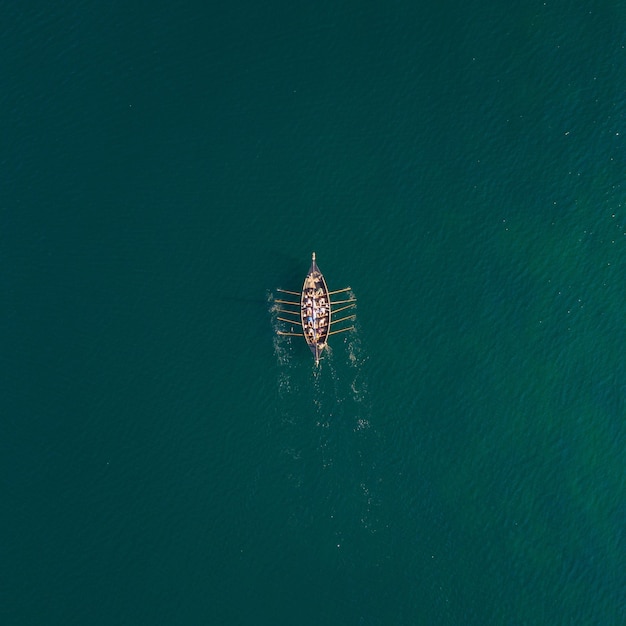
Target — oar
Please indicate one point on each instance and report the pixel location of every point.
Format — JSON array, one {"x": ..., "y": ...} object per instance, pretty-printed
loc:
[
  {"x": 287, "y": 302},
  {"x": 330, "y": 293},
  {"x": 343, "y": 308},
  {"x": 343, "y": 330},
  {"x": 343, "y": 319},
  {"x": 293, "y": 293},
  {"x": 288, "y": 311},
  {"x": 282, "y": 319},
  {"x": 280, "y": 332},
  {"x": 340, "y": 301}
]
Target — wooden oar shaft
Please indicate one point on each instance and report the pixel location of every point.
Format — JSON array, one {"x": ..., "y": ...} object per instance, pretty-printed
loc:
[
  {"x": 330, "y": 293},
  {"x": 287, "y": 311},
  {"x": 343, "y": 319},
  {"x": 343, "y": 301},
  {"x": 282, "y": 319},
  {"x": 293, "y": 293},
  {"x": 343, "y": 308},
  {"x": 284, "y": 334},
  {"x": 343, "y": 330},
  {"x": 287, "y": 302}
]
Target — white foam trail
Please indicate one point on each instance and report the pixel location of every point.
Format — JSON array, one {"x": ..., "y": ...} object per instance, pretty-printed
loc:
[
  {"x": 336, "y": 396},
  {"x": 365, "y": 437},
  {"x": 282, "y": 349}
]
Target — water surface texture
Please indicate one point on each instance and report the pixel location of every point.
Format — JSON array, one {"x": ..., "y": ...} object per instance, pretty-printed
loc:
[{"x": 458, "y": 458}]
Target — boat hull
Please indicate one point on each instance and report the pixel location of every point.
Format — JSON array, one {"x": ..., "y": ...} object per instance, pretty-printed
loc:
[{"x": 315, "y": 310}]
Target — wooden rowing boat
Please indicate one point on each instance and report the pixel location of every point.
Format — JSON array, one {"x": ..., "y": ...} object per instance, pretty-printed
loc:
[{"x": 315, "y": 311}]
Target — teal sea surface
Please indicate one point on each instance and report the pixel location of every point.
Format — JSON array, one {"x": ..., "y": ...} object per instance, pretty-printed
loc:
[{"x": 456, "y": 459}]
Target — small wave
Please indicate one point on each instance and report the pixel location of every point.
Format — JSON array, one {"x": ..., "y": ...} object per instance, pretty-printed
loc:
[
  {"x": 356, "y": 356},
  {"x": 284, "y": 384},
  {"x": 281, "y": 350},
  {"x": 361, "y": 424}
]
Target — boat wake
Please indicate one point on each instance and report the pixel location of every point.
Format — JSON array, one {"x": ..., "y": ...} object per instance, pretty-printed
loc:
[
  {"x": 348, "y": 444},
  {"x": 325, "y": 426},
  {"x": 347, "y": 378},
  {"x": 282, "y": 350}
]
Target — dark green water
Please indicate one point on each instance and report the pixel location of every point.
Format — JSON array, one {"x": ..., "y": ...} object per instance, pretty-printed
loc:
[{"x": 458, "y": 458}]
